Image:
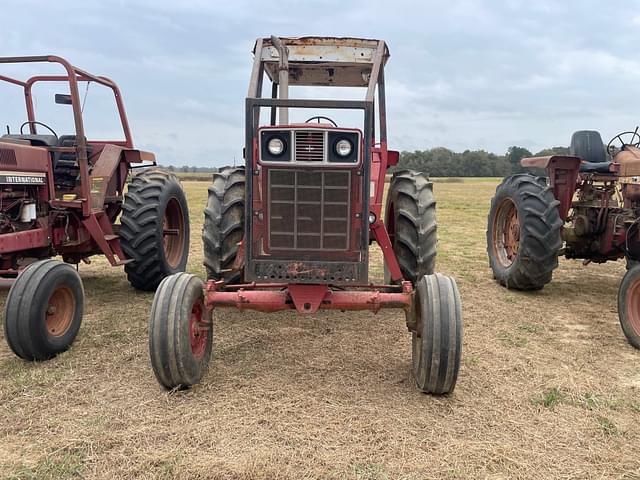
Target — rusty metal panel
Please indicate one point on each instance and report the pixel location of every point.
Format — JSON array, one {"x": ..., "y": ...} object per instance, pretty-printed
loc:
[
  {"x": 325, "y": 61},
  {"x": 19, "y": 241},
  {"x": 335, "y": 273},
  {"x": 102, "y": 174}
]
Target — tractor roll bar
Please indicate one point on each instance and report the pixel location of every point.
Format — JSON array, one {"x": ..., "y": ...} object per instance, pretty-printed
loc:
[{"x": 74, "y": 75}]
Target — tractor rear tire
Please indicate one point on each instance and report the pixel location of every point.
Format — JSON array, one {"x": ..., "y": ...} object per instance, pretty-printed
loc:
[
  {"x": 223, "y": 227},
  {"x": 180, "y": 334},
  {"x": 411, "y": 222},
  {"x": 437, "y": 339},
  {"x": 43, "y": 310},
  {"x": 154, "y": 228},
  {"x": 523, "y": 233},
  {"x": 629, "y": 305}
]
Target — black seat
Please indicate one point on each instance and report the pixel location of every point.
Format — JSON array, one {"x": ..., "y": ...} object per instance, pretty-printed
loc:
[
  {"x": 35, "y": 140},
  {"x": 66, "y": 171},
  {"x": 588, "y": 145}
]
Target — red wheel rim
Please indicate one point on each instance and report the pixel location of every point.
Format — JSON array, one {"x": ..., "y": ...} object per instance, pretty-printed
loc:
[
  {"x": 633, "y": 306},
  {"x": 198, "y": 331},
  {"x": 60, "y": 309},
  {"x": 506, "y": 233},
  {"x": 173, "y": 233}
]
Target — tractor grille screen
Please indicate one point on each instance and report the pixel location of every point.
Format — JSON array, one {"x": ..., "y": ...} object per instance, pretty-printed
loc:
[
  {"x": 7, "y": 157},
  {"x": 309, "y": 210},
  {"x": 309, "y": 146}
]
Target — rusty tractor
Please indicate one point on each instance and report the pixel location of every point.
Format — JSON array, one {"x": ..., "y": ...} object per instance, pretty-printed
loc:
[
  {"x": 291, "y": 229},
  {"x": 62, "y": 195},
  {"x": 587, "y": 208}
]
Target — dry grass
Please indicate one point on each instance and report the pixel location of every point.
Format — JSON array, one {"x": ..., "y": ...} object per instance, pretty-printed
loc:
[{"x": 548, "y": 387}]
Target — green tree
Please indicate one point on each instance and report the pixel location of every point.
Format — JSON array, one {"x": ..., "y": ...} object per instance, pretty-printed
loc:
[{"x": 514, "y": 155}]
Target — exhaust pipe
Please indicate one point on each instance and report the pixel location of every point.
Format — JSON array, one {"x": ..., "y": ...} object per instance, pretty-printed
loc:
[{"x": 283, "y": 77}]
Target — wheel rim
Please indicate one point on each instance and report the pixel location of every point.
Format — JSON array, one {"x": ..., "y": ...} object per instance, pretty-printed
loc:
[
  {"x": 198, "y": 331},
  {"x": 173, "y": 233},
  {"x": 633, "y": 306},
  {"x": 506, "y": 233},
  {"x": 60, "y": 310}
]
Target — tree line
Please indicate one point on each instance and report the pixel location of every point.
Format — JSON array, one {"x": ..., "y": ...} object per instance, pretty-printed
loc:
[{"x": 442, "y": 162}]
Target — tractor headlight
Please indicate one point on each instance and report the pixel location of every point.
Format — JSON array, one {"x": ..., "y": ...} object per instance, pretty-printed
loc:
[
  {"x": 372, "y": 218},
  {"x": 343, "y": 148},
  {"x": 275, "y": 146}
]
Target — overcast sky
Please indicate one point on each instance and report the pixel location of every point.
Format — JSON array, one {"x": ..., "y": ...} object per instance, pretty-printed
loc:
[{"x": 462, "y": 74}]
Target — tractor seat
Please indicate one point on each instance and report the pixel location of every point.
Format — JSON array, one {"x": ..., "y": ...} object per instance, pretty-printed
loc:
[
  {"x": 600, "y": 167},
  {"x": 35, "y": 140},
  {"x": 66, "y": 170},
  {"x": 588, "y": 146}
]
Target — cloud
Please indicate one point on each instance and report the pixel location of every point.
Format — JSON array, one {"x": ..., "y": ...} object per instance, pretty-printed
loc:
[{"x": 463, "y": 73}]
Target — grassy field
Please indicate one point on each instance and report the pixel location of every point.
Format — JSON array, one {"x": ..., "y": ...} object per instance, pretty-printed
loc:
[{"x": 548, "y": 387}]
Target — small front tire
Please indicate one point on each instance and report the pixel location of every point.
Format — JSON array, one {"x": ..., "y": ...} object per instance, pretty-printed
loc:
[
  {"x": 437, "y": 339},
  {"x": 180, "y": 335},
  {"x": 43, "y": 310},
  {"x": 629, "y": 306}
]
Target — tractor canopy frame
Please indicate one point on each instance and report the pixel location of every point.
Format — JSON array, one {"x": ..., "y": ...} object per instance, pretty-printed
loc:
[
  {"x": 329, "y": 62},
  {"x": 74, "y": 76}
]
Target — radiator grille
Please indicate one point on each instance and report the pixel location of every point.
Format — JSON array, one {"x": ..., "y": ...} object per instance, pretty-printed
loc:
[
  {"x": 309, "y": 210},
  {"x": 7, "y": 157},
  {"x": 309, "y": 146}
]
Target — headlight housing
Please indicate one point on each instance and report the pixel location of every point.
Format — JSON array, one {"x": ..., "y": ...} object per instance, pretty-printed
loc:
[
  {"x": 343, "y": 148},
  {"x": 276, "y": 146}
]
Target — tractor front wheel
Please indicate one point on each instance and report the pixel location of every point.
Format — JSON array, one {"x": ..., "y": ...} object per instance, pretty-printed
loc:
[
  {"x": 629, "y": 305},
  {"x": 43, "y": 310},
  {"x": 437, "y": 335},
  {"x": 180, "y": 334},
  {"x": 523, "y": 232},
  {"x": 154, "y": 230}
]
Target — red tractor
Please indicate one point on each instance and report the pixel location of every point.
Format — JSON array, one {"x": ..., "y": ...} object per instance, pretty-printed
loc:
[
  {"x": 587, "y": 208},
  {"x": 291, "y": 229},
  {"x": 61, "y": 195}
]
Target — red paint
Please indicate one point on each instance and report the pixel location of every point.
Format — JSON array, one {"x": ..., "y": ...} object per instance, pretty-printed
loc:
[
  {"x": 74, "y": 228},
  {"x": 295, "y": 296},
  {"x": 198, "y": 331}
]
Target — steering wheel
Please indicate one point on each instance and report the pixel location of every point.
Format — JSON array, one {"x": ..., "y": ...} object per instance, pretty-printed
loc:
[
  {"x": 633, "y": 137},
  {"x": 31, "y": 122},
  {"x": 320, "y": 117}
]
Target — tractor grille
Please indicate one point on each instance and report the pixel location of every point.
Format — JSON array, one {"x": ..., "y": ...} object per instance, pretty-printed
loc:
[
  {"x": 309, "y": 146},
  {"x": 7, "y": 157},
  {"x": 309, "y": 209}
]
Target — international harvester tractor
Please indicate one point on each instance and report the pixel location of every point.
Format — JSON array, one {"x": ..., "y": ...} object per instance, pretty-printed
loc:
[
  {"x": 63, "y": 195},
  {"x": 587, "y": 208},
  {"x": 291, "y": 229}
]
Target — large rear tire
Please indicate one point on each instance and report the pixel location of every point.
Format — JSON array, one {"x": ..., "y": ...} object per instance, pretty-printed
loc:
[
  {"x": 223, "y": 227},
  {"x": 411, "y": 223},
  {"x": 154, "y": 228},
  {"x": 180, "y": 335},
  {"x": 437, "y": 339},
  {"x": 629, "y": 306},
  {"x": 43, "y": 310},
  {"x": 523, "y": 233}
]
